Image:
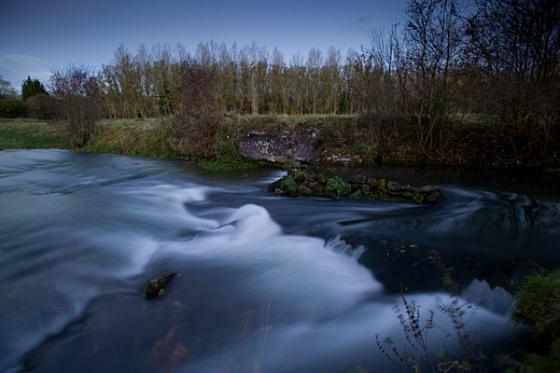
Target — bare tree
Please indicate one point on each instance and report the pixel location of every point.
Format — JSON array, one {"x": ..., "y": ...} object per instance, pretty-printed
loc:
[
  {"x": 79, "y": 93},
  {"x": 6, "y": 89}
]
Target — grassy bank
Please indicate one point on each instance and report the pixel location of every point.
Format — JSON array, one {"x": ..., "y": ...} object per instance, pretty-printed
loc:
[
  {"x": 369, "y": 140},
  {"x": 32, "y": 134}
]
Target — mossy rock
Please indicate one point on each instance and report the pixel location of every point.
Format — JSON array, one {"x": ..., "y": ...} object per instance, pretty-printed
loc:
[
  {"x": 303, "y": 182},
  {"x": 155, "y": 287},
  {"x": 289, "y": 186},
  {"x": 335, "y": 187}
]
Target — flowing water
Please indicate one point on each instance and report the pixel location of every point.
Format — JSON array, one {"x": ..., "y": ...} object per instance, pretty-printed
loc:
[{"x": 266, "y": 283}]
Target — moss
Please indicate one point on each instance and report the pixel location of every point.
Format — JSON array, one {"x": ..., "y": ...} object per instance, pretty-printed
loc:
[
  {"x": 224, "y": 165},
  {"x": 418, "y": 197},
  {"x": 227, "y": 156},
  {"x": 538, "y": 304},
  {"x": 289, "y": 185},
  {"x": 298, "y": 174},
  {"x": 383, "y": 195},
  {"x": 289, "y": 165},
  {"x": 337, "y": 187}
]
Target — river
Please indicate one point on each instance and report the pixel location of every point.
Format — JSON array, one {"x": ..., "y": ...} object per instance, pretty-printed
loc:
[{"x": 265, "y": 283}]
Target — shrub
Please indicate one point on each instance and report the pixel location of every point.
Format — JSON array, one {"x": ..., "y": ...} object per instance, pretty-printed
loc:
[
  {"x": 81, "y": 107},
  {"x": 195, "y": 137},
  {"x": 44, "y": 107},
  {"x": 12, "y": 108},
  {"x": 81, "y": 114},
  {"x": 538, "y": 304}
]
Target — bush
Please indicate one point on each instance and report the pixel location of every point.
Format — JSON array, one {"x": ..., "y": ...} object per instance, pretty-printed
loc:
[
  {"x": 195, "y": 137},
  {"x": 12, "y": 108},
  {"x": 44, "y": 107},
  {"x": 538, "y": 304},
  {"x": 81, "y": 114}
]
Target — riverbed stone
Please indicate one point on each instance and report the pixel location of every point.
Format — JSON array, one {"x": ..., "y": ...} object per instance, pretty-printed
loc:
[
  {"x": 155, "y": 287},
  {"x": 304, "y": 182}
]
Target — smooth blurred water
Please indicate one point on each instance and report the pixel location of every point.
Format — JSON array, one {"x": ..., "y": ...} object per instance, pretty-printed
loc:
[{"x": 266, "y": 283}]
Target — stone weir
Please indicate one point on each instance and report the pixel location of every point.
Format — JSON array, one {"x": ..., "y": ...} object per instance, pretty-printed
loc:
[{"x": 304, "y": 182}]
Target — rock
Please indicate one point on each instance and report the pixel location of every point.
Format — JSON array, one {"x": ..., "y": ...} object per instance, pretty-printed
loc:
[
  {"x": 279, "y": 146},
  {"x": 155, "y": 287},
  {"x": 357, "y": 179},
  {"x": 316, "y": 187},
  {"x": 275, "y": 185},
  {"x": 371, "y": 182},
  {"x": 304, "y": 190},
  {"x": 432, "y": 197},
  {"x": 301, "y": 182},
  {"x": 393, "y": 186},
  {"x": 298, "y": 175},
  {"x": 381, "y": 184}
]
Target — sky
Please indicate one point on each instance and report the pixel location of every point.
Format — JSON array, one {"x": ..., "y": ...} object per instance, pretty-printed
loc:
[{"x": 37, "y": 36}]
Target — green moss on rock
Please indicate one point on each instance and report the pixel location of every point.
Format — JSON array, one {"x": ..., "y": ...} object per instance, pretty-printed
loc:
[{"x": 336, "y": 187}]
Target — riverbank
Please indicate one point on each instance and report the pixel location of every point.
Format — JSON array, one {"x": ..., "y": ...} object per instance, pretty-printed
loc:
[{"x": 236, "y": 142}]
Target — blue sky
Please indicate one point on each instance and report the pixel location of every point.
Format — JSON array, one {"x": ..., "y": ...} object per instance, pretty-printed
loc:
[{"x": 39, "y": 35}]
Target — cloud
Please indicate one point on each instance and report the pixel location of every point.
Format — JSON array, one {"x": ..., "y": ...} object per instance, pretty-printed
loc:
[{"x": 16, "y": 67}]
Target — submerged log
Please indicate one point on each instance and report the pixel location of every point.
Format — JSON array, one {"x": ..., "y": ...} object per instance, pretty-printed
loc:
[
  {"x": 156, "y": 287},
  {"x": 300, "y": 182}
]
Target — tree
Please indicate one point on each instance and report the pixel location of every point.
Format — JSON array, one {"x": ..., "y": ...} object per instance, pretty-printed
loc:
[
  {"x": 32, "y": 87},
  {"x": 433, "y": 36},
  {"x": 79, "y": 93},
  {"x": 6, "y": 89}
]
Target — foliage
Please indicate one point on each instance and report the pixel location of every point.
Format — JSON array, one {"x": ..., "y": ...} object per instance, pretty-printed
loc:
[
  {"x": 416, "y": 354},
  {"x": 44, "y": 107},
  {"x": 32, "y": 87},
  {"x": 227, "y": 157},
  {"x": 80, "y": 105},
  {"x": 194, "y": 137},
  {"x": 12, "y": 108},
  {"x": 538, "y": 304},
  {"x": 81, "y": 114},
  {"x": 337, "y": 187},
  {"x": 289, "y": 185}
]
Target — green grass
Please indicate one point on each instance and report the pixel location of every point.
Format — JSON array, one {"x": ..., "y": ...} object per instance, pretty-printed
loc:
[
  {"x": 228, "y": 158},
  {"x": 31, "y": 134},
  {"x": 139, "y": 138}
]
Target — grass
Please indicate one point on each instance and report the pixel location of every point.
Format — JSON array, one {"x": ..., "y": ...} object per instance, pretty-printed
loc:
[
  {"x": 305, "y": 119},
  {"x": 148, "y": 138},
  {"x": 32, "y": 134},
  {"x": 228, "y": 158}
]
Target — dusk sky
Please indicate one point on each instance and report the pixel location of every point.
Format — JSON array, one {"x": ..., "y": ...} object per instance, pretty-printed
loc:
[{"x": 39, "y": 35}]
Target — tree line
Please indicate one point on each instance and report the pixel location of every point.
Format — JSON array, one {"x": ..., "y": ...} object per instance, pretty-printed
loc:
[{"x": 498, "y": 60}]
